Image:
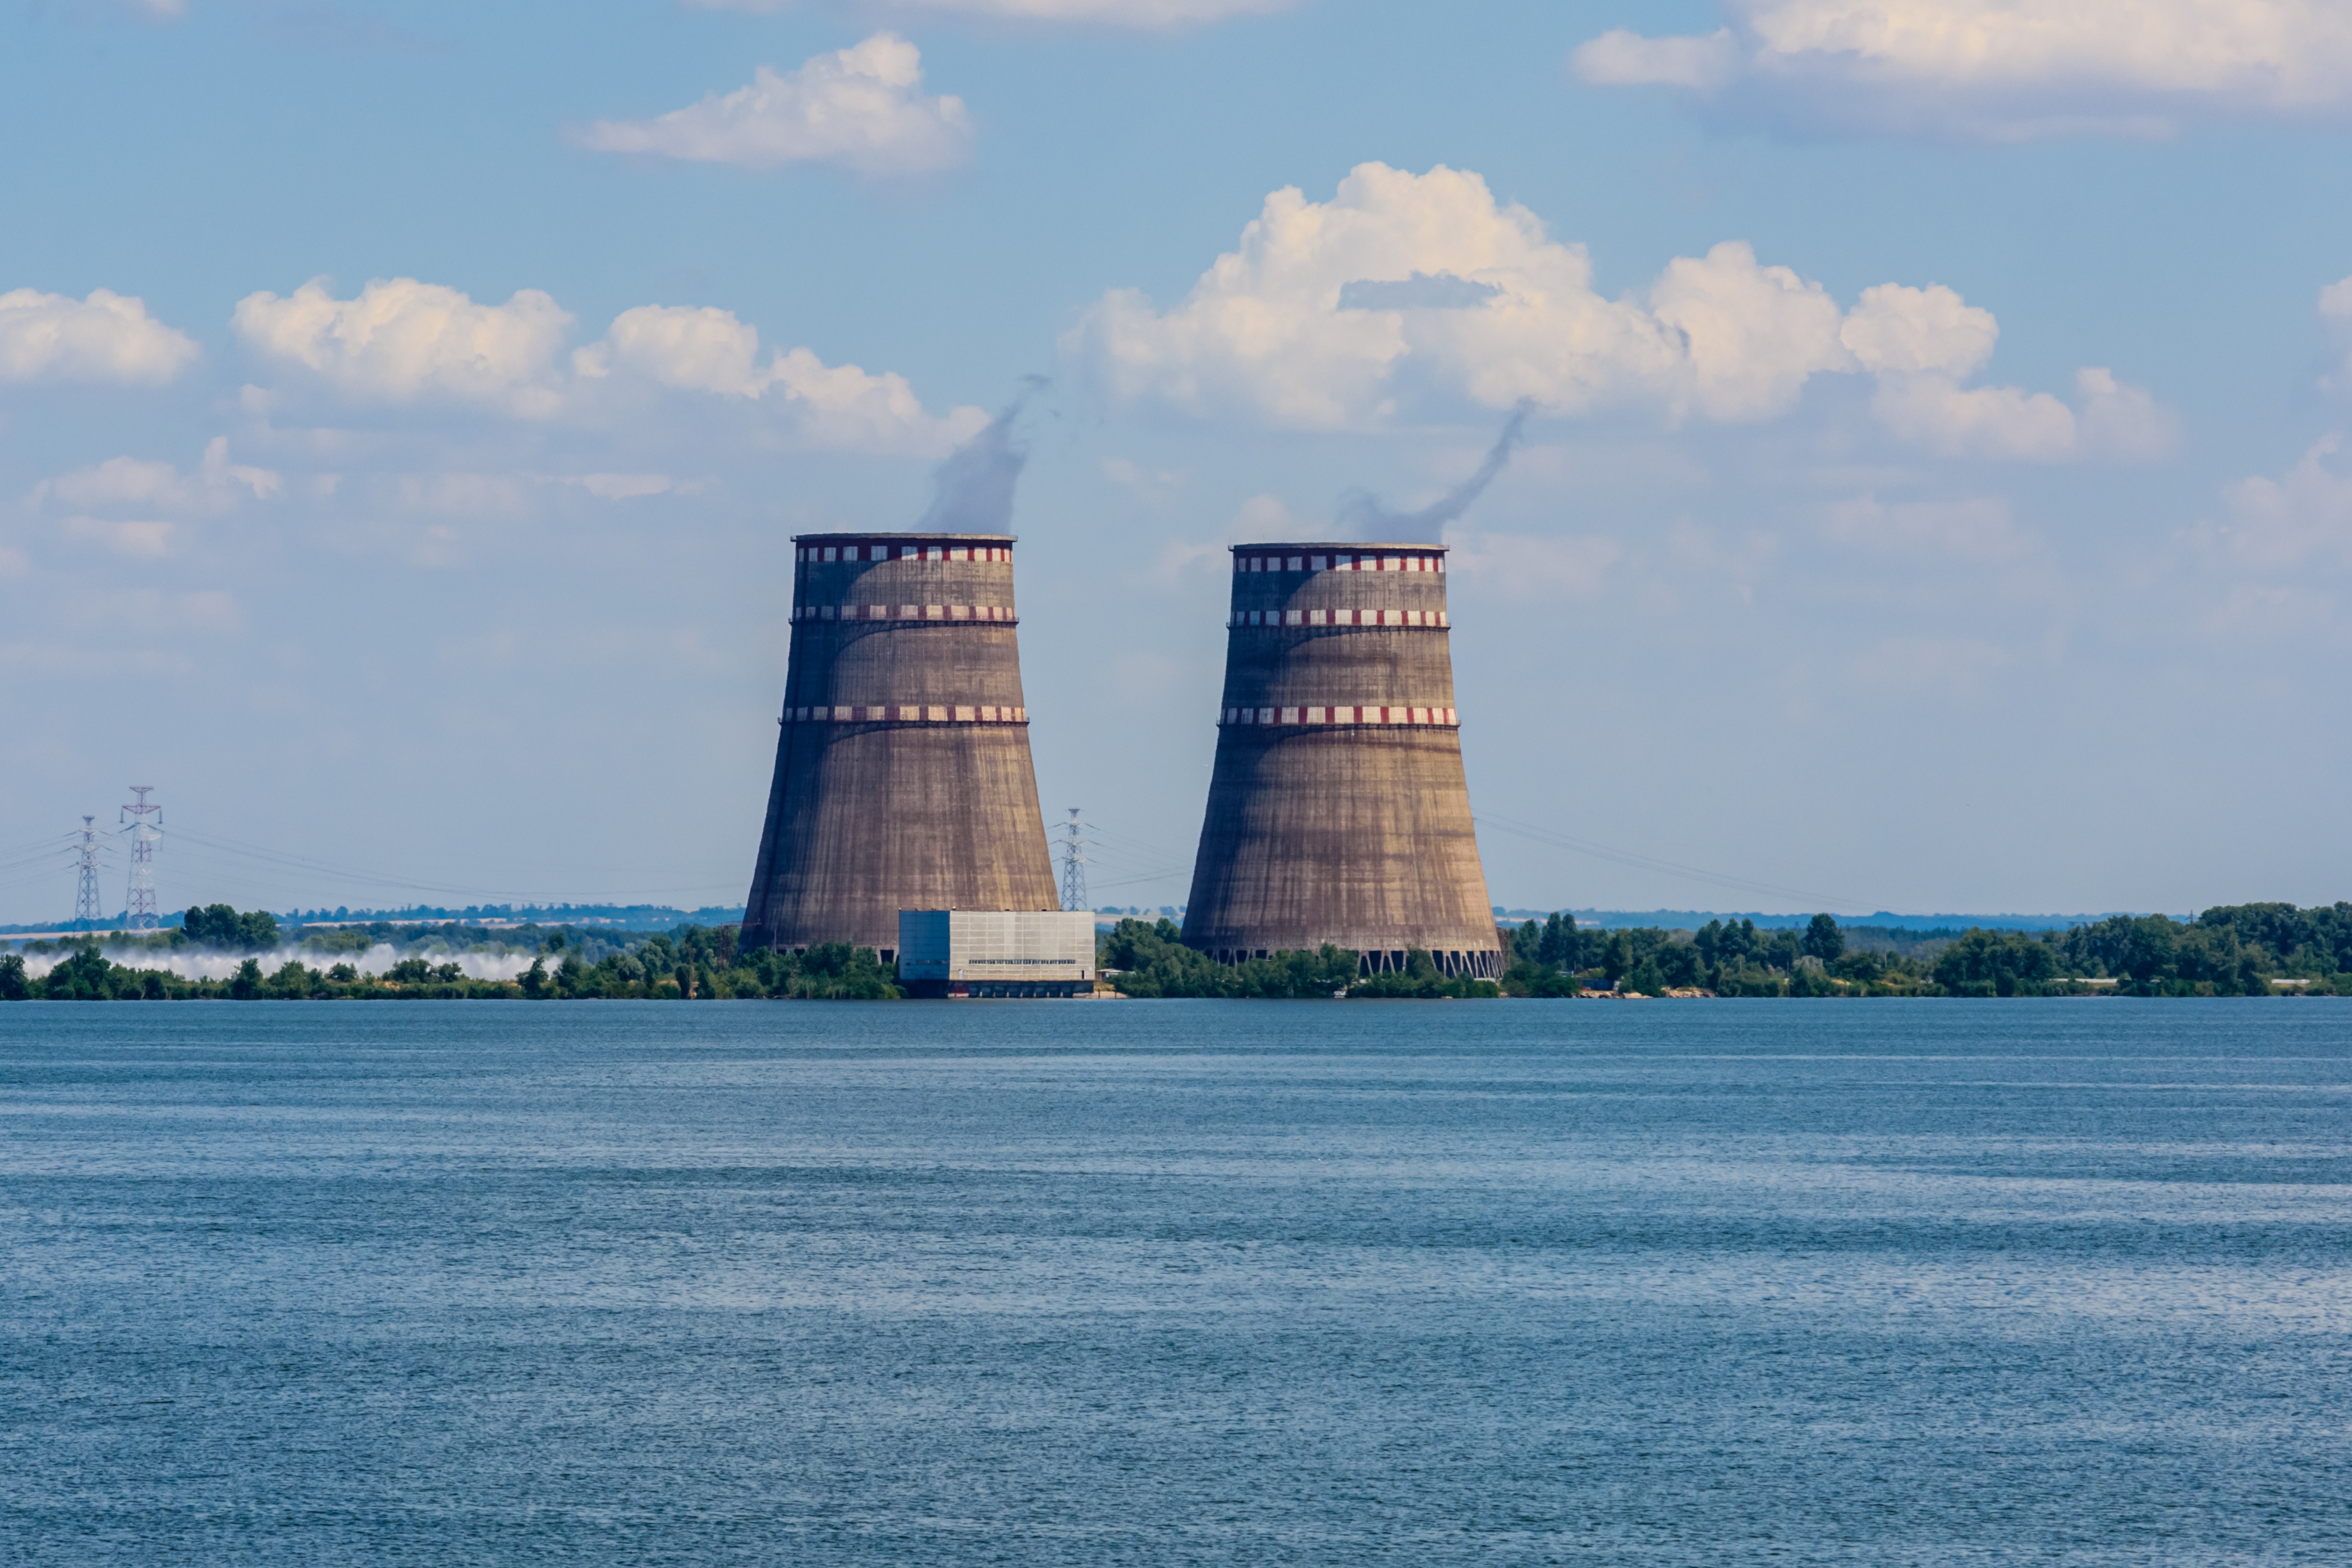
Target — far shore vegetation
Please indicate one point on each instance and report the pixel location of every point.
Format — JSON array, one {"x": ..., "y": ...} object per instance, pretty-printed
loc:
[{"x": 217, "y": 952}]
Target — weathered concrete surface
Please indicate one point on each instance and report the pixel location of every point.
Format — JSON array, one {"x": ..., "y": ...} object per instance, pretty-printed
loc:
[
  {"x": 868, "y": 816},
  {"x": 1358, "y": 835}
]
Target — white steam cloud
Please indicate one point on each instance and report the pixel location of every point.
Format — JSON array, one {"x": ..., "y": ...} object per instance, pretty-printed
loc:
[
  {"x": 975, "y": 484},
  {"x": 1362, "y": 516},
  {"x": 190, "y": 963}
]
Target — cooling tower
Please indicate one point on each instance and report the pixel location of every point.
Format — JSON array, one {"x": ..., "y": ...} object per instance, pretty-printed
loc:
[
  {"x": 903, "y": 778},
  {"x": 1337, "y": 809}
]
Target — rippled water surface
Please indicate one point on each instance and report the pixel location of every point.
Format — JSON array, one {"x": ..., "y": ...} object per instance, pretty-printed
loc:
[{"x": 1886, "y": 1282}]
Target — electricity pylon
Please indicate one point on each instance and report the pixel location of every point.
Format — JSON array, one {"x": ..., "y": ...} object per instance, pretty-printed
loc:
[
  {"x": 139, "y": 913},
  {"x": 1074, "y": 865},
  {"x": 85, "y": 895}
]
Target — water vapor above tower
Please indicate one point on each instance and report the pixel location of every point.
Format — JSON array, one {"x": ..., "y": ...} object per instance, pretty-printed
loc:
[
  {"x": 973, "y": 487},
  {"x": 1362, "y": 516}
]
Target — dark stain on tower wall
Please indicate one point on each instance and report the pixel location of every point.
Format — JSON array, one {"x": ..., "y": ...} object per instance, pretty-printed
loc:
[
  {"x": 1338, "y": 808},
  {"x": 903, "y": 778}
]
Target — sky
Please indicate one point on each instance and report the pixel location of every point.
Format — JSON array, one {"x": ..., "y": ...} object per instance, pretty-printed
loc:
[{"x": 1932, "y": 493}]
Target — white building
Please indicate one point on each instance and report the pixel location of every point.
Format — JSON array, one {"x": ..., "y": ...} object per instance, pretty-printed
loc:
[{"x": 996, "y": 953}]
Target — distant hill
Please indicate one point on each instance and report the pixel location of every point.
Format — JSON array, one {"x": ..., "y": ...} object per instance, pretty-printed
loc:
[
  {"x": 620, "y": 917},
  {"x": 1691, "y": 920}
]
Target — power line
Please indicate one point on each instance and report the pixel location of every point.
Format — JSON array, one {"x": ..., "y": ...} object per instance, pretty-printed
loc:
[
  {"x": 63, "y": 849},
  {"x": 298, "y": 862},
  {"x": 1650, "y": 863},
  {"x": 1149, "y": 877},
  {"x": 260, "y": 871}
]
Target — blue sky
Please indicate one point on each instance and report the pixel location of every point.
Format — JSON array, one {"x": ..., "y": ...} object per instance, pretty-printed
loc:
[{"x": 1929, "y": 502}]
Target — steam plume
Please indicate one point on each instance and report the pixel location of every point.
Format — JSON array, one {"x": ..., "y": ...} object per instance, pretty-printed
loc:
[
  {"x": 1362, "y": 516},
  {"x": 974, "y": 492}
]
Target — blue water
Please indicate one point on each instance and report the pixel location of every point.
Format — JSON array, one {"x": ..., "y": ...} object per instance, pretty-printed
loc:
[{"x": 1422, "y": 1283}]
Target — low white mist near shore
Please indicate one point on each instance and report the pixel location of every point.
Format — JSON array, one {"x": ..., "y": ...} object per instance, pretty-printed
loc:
[{"x": 189, "y": 963}]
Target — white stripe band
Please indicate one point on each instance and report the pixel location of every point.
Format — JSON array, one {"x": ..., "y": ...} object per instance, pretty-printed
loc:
[
  {"x": 906, "y": 713},
  {"x": 1441, "y": 718},
  {"x": 823, "y": 554},
  {"x": 1338, "y": 618},
  {"x": 997, "y": 613},
  {"x": 1283, "y": 561}
]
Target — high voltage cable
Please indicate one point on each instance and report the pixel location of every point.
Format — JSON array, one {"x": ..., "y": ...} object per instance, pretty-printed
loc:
[
  {"x": 1651, "y": 863},
  {"x": 242, "y": 852},
  {"x": 41, "y": 846},
  {"x": 45, "y": 858},
  {"x": 1131, "y": 881},
  {"x": 307, "y": 863}
]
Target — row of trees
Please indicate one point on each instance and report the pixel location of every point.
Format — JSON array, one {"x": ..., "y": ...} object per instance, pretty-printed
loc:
[
  {"x": 2234, "y": 950},
  {"x": 704, "y": 963},
  {"x": 220, "y": 929},
  {"x": 87, "y": 974},
  {"x": 1151, "y": 961},
  {"x": 2229, "y": 950},
  {"x": 693, "y": 961},
  {"x": 1554, "y": 957}
]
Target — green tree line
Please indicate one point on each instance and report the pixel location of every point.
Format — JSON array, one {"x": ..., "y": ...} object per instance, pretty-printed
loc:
[
  {"x": 1150, "y": 961},
  {"x": 2239, "y": 949}
]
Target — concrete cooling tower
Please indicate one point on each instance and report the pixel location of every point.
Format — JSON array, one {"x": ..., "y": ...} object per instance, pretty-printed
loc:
[
  {"x": 1337, "y": 809},
  {"x": 903, "y": 778}
]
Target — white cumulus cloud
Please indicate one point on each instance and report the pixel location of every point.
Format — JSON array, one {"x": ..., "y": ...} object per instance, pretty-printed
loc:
[
  {"x": 1751, "y": 335},
  {"x": 1938, "y": 412},
  {"x": 1623, "y": 58},
  {"x": 1275, "y": 324},
  {"x": 707, "y": 350},
  {"x": 1999, "y": 69},
  {"x": 2122, "y": 422},
  {"x": 108, "y": 337},
  {"x": 2303, "y": 515},
  {"x": 101, "y": 494},
  {"x": 135, "y": 483},
  {"x": 1331, "y": 314},
  {"x": 1156, "y": 14},
  {"x": 1923, "y": 344},
  {"x": 400, "y": 340},
  {"x": 863, "y": 106},
  {"x": 150, "y": 539},
  {"x": 2336, "y": 309},
  {"x": 1898, "y": 331}
]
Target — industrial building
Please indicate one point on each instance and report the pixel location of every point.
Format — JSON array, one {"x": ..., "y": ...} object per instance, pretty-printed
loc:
[
  {"x": 1338, "y": 808},
  {"x": 903, "y": 778},
  {"x": 992, "y": 953}
]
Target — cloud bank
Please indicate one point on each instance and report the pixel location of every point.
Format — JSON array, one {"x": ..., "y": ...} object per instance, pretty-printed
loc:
[
  {"x": 1150, "y": 14},
  {"x": 2303, "y": 517},
  {"x": 402, "y": 342},
  {"x": 1996, "y": 70},
  {"x": 1333, "y": 315},
  {"x": 863, "y": 108},
  {"x": 2336, "y": 309},
  {"x": 106, "y": 338}
]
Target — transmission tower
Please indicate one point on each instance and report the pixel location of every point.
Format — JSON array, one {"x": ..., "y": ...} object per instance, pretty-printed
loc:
[
  {"x": 1074, "y": 865},
  {"x": 85, "y": 895},
  {"x": 141, "y": 913}
]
